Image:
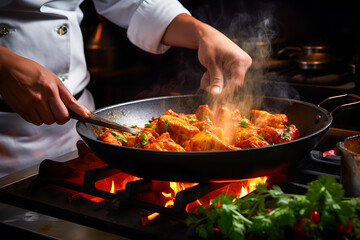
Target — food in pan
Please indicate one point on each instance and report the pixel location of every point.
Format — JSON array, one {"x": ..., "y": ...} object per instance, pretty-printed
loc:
[{"x": 207, "y": 130}]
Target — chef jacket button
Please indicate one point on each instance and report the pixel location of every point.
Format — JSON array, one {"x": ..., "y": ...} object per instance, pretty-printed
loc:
[
  {"x": 65, "y": 79},
  {"x": 62, "y": 30},
  {"x": 3, "y": 31}
]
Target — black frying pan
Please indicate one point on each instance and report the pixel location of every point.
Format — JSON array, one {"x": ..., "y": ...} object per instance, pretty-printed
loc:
[{"x": 311, "y": 120}]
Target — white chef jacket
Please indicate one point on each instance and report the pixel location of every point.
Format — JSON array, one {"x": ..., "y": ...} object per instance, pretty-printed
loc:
[{"x": 48, "y": 32}]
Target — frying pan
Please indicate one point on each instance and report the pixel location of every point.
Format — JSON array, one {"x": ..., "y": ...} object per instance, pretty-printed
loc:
[{"x": 311, "y": 120}]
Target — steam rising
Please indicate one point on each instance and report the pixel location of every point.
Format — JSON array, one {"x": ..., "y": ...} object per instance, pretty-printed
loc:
[{"x": 254, "y": 35}]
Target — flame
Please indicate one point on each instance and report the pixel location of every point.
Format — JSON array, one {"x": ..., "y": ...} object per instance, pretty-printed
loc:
[
  {"x": 240, "y": 188},
  {"x": 112, "y": 190},
  {"x": 112, "y": 184},
  {"x": 166, "y": 192}
]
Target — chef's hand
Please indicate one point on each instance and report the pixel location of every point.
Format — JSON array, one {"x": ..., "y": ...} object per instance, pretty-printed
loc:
[
  {"x": 34, "y": 92},
  {"x": 224, "y": 61}
]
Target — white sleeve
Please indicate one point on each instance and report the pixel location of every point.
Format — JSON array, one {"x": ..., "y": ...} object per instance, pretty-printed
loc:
[{"x": 145, "y": 20}]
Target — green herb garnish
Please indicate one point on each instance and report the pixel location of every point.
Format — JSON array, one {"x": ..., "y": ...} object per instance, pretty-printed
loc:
[
  {"x": 166, "y": 124},
  {"x": 284, "y": 135},
  {"x": 133, "y": 126},
  {"x": 287, "y": 129},
  {"x": 191, "y": 118},
  {"x": 244, "y": 123},
  {"x": 208, "y": 120},
  {"x": 145, "y": 139},
  {"x": 261, "y": 137},
  {"x": 148, "y": 125},
  {"x": 116, "y": 134}
]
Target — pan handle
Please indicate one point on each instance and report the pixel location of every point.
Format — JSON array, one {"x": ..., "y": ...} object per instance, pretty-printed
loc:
[{"x": 351, "y": 96}]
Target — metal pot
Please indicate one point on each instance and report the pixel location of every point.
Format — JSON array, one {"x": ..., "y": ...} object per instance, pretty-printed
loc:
[
  {"x": 313, "y": 57},
  {"x": 350, "y": 165}
]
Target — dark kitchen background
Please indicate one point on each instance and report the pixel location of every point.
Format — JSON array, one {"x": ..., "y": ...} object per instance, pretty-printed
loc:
[{"x": 304, "y": 50}]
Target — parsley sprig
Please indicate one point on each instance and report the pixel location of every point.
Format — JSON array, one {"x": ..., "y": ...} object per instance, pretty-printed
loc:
[{"x": 271, "y": 213}]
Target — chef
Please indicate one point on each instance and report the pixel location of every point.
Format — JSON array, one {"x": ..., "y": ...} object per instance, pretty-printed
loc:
[{"x": 43, "y": 70}]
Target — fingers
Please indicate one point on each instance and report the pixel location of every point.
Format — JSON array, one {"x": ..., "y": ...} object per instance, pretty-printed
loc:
[
  {"x": 213, "y": 81},
  {"x": 71, "y": 103},
  {"x": 238, "y": 68},
  {"x": 231, "y": 75},
  {"x": 58, "y": 109},
  {"x": 45, "y": 114},
  {"x": 55, "y": 109},
  {"x": 31, "y": 118}
]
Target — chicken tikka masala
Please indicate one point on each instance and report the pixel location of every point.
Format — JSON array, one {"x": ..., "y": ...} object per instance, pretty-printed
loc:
[{"x": 206, "y": 130}]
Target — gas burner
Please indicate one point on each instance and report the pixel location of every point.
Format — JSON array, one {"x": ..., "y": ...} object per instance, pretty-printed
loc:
[{"x": 77, "y": 190}]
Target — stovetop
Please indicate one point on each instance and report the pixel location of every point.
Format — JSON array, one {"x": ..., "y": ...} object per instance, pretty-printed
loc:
[{"x": 24, "y": 210}]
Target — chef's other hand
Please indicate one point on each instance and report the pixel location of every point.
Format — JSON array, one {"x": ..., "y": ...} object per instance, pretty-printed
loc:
[
  {"x": 223, "y": 59},
  {"x": 34, "y": 92}
]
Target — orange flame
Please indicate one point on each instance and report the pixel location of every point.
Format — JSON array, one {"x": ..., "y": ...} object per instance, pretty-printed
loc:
[
  {"x": 167, "y": 191},
  {"x": 240, "y": 188},
  {"x": 112, "y": 190}
]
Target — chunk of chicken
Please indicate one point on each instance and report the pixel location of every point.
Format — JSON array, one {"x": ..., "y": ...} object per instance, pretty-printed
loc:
[
  {"x": 252, "y": 142},
  {"x": 179, "y": 129},
  {"x": 205, "y": 125},
  {"x": 279, "y": 135},
  {"x": 207, "y": 141},
  {"x": 262, "y": 118},
  {"x": 145, "y": 137},
  {"x": 109, "y": 137},
  {"x": 242, "y": 134},
  {"x": 179, "y": 115},
  {"x": 131, "y": 139},
  {"x": 163, "y": 143},
  {"x": 204, "y": 113},
  {"x": 224, "y": 116}
]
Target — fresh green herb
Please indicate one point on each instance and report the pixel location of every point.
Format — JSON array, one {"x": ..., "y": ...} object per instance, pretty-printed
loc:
[
  {"x": 207, "y": 131},
  {"x": 191, "y": 118},
  {"x": 244, "y": 123},
  {"x": 116, "y": 134},
  {"x": 273, "y": 214},
  {"x": 133, "y": 126},
  {"x": 126, "y": 137},
  {"x": 148, "y": 125},
  {"x": 283, "y": 135},
  {"x": 166, "y": 125},
  {"x": 287, "y": 129},
  {"x": 145, "y": 139},
  {"x": 261, "y": 137},
  {"x": 208, "y": 120}
]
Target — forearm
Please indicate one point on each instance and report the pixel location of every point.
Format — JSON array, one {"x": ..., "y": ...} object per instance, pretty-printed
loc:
[
  {"x": 184, "y": 31},
  {"x": 4, "y": 57}
]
